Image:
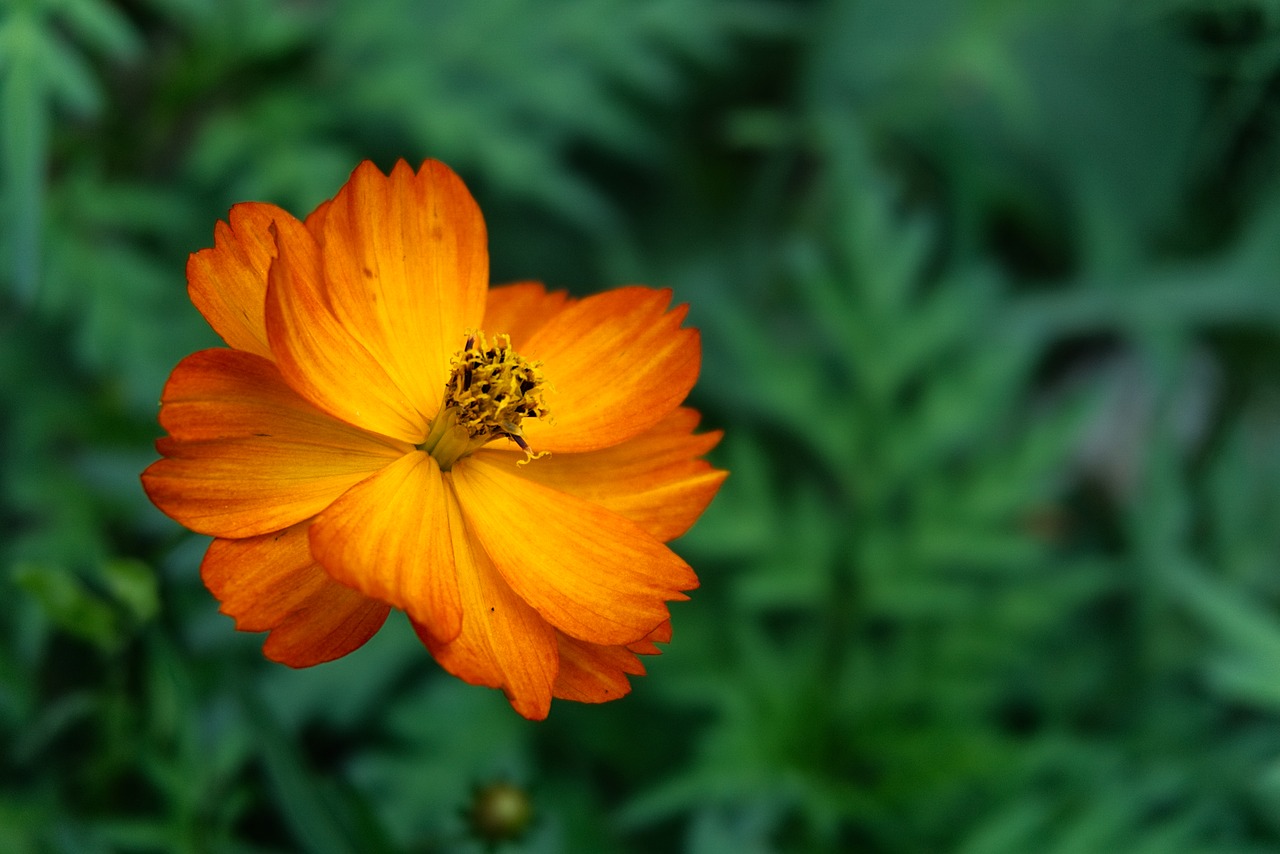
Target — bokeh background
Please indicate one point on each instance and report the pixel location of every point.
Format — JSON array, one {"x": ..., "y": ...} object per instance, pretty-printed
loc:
[{"x": 990, "y": 300}]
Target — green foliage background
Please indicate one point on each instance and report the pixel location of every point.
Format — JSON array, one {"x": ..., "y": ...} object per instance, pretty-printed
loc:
[{"x": 990, "y": 300}]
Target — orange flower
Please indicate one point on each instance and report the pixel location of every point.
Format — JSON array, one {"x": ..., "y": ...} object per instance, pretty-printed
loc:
[{"x": 385, "y": 431}]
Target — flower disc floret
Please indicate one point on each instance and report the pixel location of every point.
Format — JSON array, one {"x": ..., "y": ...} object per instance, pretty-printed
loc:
[{"x": 491, "y": 390}]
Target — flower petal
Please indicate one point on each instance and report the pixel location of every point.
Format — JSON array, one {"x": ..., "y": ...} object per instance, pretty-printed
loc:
[
  {"x": 593, "y": 574},
  {"x": 616, "y": 363},
  {"x": 228, "y": 283},
  {"x": 315, "y": 220},
  {"x": 246, "y": 455},
  {"x": 504, "y": 643},
  {"x": 521, "y": 309},
  {"x": 319, "y": 357},
  {"x": 590, "y": 673},
  {"x": 389, "y": 538},
  {"x": 270, "y": 583},
  {"x": 655, "y": 479},
  {"x": 406, "y": 268},
  {"x": 649, "y": 644}
]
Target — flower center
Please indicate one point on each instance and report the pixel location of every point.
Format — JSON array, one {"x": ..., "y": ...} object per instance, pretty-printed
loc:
[{"x": 491, "y": 389}]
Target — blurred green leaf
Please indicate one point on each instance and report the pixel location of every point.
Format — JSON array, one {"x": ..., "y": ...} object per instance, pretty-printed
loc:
[
  {"x": 133, "y": 584},
  {"x": 69, "y": 604}
]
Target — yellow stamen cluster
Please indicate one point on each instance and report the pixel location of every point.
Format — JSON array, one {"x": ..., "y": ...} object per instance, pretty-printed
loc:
[{"x": 490, "y": 391}]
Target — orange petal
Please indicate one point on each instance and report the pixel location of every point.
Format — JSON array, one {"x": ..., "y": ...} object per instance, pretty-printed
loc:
[
  {"x": 271, "y": 584},
  {"x": 315, "y": 220},
  {"x": 616, "y": 364},
  {"x": 593, "y": 574},
  {"x": 406, "y": 267},
  {"x": 655, "y": 479},
  {"x": 590, "y": 673},
  {"x": 246, "y": 455},
  {"x": 228, "y": 283},
  {"x": 504, "y": 643},
  {"x": 231, "y": 394},
  {"x": 521, "y": 309},
  {"x": 389, "y": 538},
  {"x": 320, "y": 358},
  {"x": 649, "y": 644}
]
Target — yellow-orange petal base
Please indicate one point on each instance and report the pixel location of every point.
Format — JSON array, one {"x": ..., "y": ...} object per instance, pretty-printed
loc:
[{"x": 302, "y": 447}]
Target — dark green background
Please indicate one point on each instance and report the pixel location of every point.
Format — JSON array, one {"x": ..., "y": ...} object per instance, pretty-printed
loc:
[{"x": 990, "y": 300}]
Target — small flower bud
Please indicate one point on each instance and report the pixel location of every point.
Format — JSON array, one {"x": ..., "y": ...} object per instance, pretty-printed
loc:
[{"x": 500, "y": 812}]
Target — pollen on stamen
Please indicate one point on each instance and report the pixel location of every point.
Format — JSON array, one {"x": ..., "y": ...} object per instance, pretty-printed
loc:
[{"x": 490, "y": 391}]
